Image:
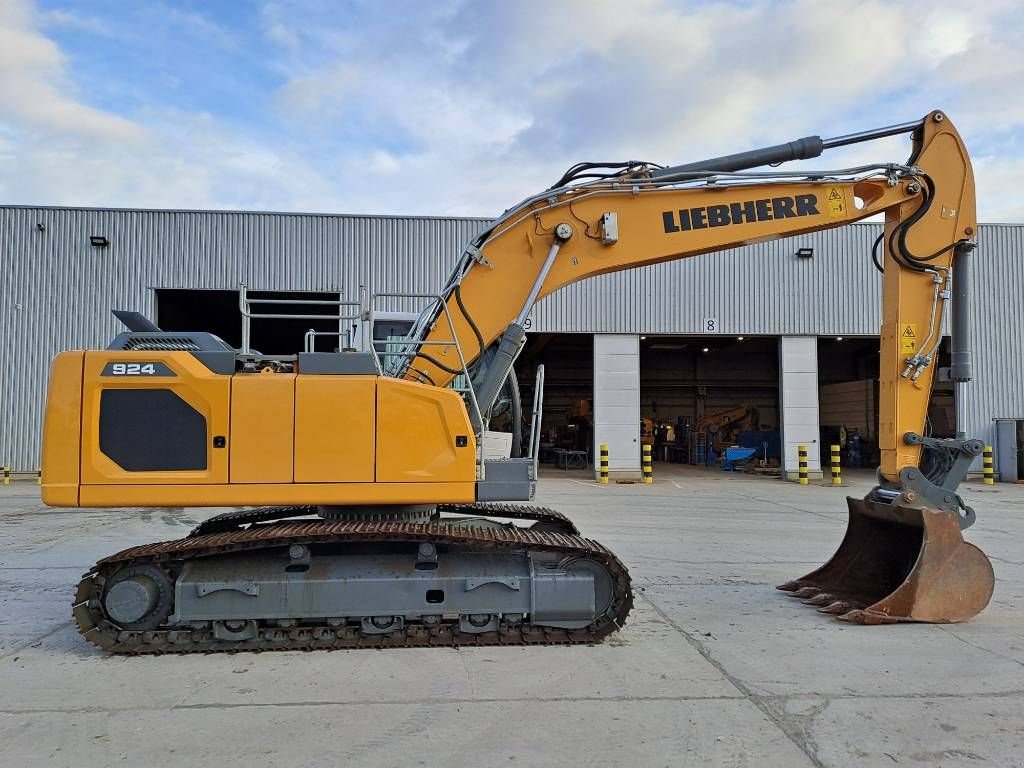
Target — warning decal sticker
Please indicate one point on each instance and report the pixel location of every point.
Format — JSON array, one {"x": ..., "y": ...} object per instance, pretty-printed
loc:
[
  {"x": 836, "y": 203},
  {"x": 908, "y": 338}
]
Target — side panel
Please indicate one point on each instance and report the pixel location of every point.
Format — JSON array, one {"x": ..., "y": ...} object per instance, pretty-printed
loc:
[
  {"x": 423, "y": 435},
  {"x": 334, "y": 428},
  {"x": 262, "y": 427},
  {"x": 162, "y": 422},
  {"x": 62, "y": 431}
]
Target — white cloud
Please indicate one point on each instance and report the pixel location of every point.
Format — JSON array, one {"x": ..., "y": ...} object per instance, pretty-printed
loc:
[
  {"x": 998, "y": 185},
  {"x": 34, "y": 87},
  {"x": 276, "y": 28},
  {"x": 325, "y": 91},
  {"x": 464, "y": 107},
  {"x": 55, "y": 149},
  {"x": 70, "y": 20},
  {"x": 493, "y": 100}
]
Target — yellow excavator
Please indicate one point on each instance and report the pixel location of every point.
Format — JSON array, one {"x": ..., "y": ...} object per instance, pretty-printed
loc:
[{"x": 370, "y": 517}]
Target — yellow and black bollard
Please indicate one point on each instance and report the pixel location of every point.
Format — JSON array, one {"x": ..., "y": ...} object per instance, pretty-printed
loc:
[
  {"x": 986, "y": 461},
  {"x": 603, "y": 465},
  {"x": 7, "y": 475},
  {"x": 648, "y": 468},
  {"x": 39, "y": 477},
  {"x": 802, "y": 463},
  {"x": 837, "y": 469}
]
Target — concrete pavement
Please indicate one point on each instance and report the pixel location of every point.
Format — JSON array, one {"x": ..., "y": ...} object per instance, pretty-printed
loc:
[{"x": 714, "y": 667}]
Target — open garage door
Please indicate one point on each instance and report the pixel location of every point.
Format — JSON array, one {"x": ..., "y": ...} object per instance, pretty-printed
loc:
[
  {"x": 848, "y": 393},
  {"x": 568, "y": 360},
  {"x": 700, "y": 395}
]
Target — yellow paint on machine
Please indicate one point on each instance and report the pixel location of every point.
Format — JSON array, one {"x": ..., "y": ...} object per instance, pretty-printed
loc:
[
  {"x": 62, "y": 431},
  {"x": 206, "y": 392},
  {"x": 423, "y": 434},
  {"x": 272, "y": 438},
  {"x": 335, "y": 425},
  {"x": 261, "y": 444},
  {"x": 257, "y": 494}
]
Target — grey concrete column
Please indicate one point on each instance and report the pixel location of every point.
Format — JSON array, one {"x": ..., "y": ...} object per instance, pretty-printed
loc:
[
  {"x": 798, "y": 403},
  {"x": 617, "y": 402}
]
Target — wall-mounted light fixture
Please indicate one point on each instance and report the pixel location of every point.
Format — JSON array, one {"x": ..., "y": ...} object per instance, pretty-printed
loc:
[
  {"x": 804, "y": 253},
  {"x": 99, "y": 241},
  {"x": 40, "y": 226}
]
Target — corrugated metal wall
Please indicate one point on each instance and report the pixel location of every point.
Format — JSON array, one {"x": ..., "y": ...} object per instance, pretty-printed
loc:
[
  {"x": 997, "y": 325},
  {"x": 56, "y": 289},
  {"x": 757, "y": 289}
]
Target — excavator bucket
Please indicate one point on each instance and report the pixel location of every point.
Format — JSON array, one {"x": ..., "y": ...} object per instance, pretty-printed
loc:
[{"x": 899, "y": 563}]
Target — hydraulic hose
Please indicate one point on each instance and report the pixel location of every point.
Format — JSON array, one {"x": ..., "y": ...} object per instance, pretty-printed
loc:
[
  {"x": 874, "y": 253},
  {"x": 439, "y": 364},
  {"x": 469, "y": 319}
]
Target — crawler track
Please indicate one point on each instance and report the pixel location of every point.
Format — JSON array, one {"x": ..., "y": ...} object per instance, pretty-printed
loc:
[
  {"x": 170, "y": 555},
  {"x": 544, "y": 518}
]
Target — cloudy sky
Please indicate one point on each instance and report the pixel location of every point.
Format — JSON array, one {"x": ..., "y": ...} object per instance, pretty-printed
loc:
[{"x": 461, "y": 107}]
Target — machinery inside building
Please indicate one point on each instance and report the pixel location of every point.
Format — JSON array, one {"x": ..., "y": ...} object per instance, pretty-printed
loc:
[
  {"x": 697, "y": 395},
  {"x": 702, "y": 395}
]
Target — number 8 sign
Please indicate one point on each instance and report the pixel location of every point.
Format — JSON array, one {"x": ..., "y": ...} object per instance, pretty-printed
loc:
[{"x": 710, "y": 325}]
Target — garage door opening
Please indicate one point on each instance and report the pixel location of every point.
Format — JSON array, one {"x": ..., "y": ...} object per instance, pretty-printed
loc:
[
  {"x": 217, "y": 312},
  {"x": 700, "y": 395},
  {"x": 568, "y": 360},
  {"x": 848, "y": 372},
  {"x": 848, "y": 399}
]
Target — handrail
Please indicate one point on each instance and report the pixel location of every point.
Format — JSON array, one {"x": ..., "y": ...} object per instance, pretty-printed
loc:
[
  {"x": 538, "y": 412},
  {"x": 410, "y": 347},
  {"x": 245, "y": 302},
  {"x": 309, "y": 338},
  {"x": 410, "y": 344}
]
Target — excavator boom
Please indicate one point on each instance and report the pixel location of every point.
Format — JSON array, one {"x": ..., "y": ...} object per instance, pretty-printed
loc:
[
  {"x": 643, "y": 218},
  {"x": 382, "y": 527}
]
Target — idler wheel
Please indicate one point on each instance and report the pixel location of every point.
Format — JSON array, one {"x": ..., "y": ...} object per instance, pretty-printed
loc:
[{"x": 138, "y": 597}]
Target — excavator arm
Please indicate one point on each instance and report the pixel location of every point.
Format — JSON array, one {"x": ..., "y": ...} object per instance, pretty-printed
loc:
[
  {"x": 903, "y": 557},
  {"x": 650, "y": 215}
]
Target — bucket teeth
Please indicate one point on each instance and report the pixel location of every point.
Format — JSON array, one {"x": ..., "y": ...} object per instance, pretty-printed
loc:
[
  {"x": 822, "y": 598},
  {"x": 866, "y": 617},
  {"x": 790, "y": 586},
  {"x": 835, "y": 608},
  {"x": 804, "y": 592}
]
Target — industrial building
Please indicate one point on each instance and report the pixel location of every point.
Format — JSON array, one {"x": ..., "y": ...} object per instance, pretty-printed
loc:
[{"x": 784, "y": 333}]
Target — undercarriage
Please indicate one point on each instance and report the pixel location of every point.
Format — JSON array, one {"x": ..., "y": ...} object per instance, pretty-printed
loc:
[{"x": 274, "y": 578}]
